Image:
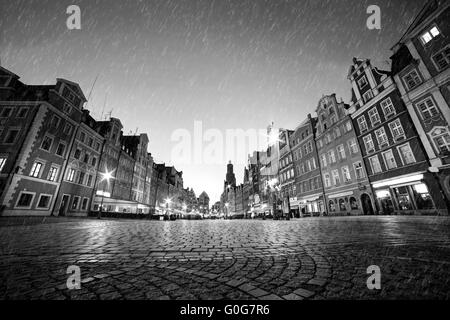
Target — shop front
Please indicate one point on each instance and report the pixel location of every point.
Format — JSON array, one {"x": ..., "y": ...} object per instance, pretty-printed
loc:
[
  {"x": 352, "y": 202},
  {"x": 311, "y": 206},
  {"x": 406, "y": 195}
]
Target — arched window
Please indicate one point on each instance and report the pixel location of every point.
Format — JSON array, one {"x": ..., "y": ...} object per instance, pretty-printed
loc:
[
  {"x": 353, "y": 203},
  {"x": 332, "y": 207},
  {"x": 342, "y": 205}
]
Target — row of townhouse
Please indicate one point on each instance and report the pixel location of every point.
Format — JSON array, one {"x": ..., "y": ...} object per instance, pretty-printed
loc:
[
  {"x": 56, "y": 159},
  {"x": 387, "y": 151}
]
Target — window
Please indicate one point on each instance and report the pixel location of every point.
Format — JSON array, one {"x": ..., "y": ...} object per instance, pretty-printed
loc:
[
  {"x": 382, "y": 138},
  {"x": 362, "y": 82},
  {"x": 84, "y": 204},
  {"x": 337, "y": 132},
  {"x": 359, "y": 170},
  {"x": 331, "y": 156},
  {"x": 375, "y": 164},
  {"x": 428, "y": 35},
  {"x": 342, "y": 205},
  {"x": 46, "y": 143},
  {"x": 346, "y": 174},
  {"x": 97, "y": 146},
  {"x": 2, "y": 162},
  {"x": 367, "y": 96},
  {"x": 77, "y": 154},
  {"x": 71, "y": 175},
  {"x": 327, "y": 180},
  {"x": 6, "y": 112},
  {"x": 90, "y": 142},
  {"x": 75, "y": 202},
  {"x": 68, "y": 129},
  {"x": 67, "y": 108},
  {"x": 353, "y": 203},
  {"x": 442, "y": 59},
  {"x": 52, "y": 174},
  {"x": 388, "y": 108},
  {"x": 44, "y": 201},
  {"x": 412, "y": 79},
  {"x": 25, "y": 200},
  {"x": 348, "y": 126},
  {"x": 89, "y": 181},
  {"x": 11, "y": 136},
  {"x": 427, "y": 108},
  {"x": 81, "y": 178},
  {"x": 441, "y": 138},
  {"x": 327, "y": 138},
  {"x": 362, "y": 123},
  {"x": 406, "y": 154},
  {"x": 368, "y": 143},
  {"x": 332, "y": 206},
  {"x": 94, "y": 161},
  {"x": 353, "y": 146},
  {"x": 82, "y": 136},
  {"x": 86, "y": 158},
  {"x": 341, "y": 151},
  {"x": 55, "y": 121},
  {"x": 61, "y": 149},
  {"x": 323, "y": 159},
  {"x": 374, "y": 117},
  {"x": 389, "y": 160},
  {"x": 397, "y": 129},
  {"x": 336, "y": 179},
  {"x": 22, "y": 112},
  {"x": 36, "y": 169}
]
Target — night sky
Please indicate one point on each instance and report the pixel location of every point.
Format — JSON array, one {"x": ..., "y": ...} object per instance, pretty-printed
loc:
[{"x": 161, "y": 65}]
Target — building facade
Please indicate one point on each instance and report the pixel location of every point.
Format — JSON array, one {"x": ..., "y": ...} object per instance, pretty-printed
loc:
[
  {"x": 37, "y": 130},
  {"x": 394, "y": 157},
  {"x": 76, "y": 191},
  {"x": 286, "y": 177},
  {"x": 309, "y": 196},
  {"x": 347, "y": 189},
  {"x": 420, "y": 67}
]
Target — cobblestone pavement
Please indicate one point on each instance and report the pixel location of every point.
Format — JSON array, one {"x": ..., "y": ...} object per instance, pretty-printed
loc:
[{"x": 317, "y": 258}]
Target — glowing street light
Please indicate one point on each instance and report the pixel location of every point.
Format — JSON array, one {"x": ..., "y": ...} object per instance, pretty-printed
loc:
[{"x": 106, "y": 176}]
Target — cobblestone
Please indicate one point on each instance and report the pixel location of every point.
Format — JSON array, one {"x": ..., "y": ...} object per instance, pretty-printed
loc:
[{"x": 316, "y": 258}]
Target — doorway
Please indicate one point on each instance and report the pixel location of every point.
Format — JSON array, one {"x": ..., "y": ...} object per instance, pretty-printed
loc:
[
  {"x": 64, "y": 205},
  {"x": 366, "y": 204}
]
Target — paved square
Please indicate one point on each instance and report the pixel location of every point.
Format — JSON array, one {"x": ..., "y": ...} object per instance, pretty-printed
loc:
[{"x": 317, "y": 258}]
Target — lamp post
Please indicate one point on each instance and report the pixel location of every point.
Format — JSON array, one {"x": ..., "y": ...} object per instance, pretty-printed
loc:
[{"x": 106, "y": 176}]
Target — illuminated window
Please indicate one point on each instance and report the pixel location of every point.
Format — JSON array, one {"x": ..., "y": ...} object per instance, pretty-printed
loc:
[
  {"x": 36, "y": 169},
  {"x": 52, "y": 174},
  {"x": 429, "y": 35},
  {"x": 2, "y": 162}
]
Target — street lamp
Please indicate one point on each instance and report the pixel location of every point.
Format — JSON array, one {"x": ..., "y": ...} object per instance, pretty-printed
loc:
[{"x": 106, "y": 176}]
